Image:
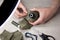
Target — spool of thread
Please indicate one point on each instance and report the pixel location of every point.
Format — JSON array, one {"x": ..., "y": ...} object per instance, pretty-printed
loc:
[
  {"x": 32, "y": 16},
  {"x": 24, "y": 24}
]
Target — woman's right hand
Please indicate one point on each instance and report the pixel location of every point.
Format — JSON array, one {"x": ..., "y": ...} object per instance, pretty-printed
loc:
[{"x": 21, "y": 11}]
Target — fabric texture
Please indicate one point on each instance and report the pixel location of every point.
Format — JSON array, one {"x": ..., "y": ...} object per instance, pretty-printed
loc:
[{"x": 11, "y": 36}]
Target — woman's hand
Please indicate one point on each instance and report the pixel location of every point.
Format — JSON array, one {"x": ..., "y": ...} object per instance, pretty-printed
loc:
[
  {"x": 46, "y": 13},
  {"x": 21, "y": 11}
]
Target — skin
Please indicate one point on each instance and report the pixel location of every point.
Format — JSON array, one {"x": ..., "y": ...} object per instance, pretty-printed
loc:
[
  {"x": 45, "y": 13},
  {"x": 21, "y": 14}
]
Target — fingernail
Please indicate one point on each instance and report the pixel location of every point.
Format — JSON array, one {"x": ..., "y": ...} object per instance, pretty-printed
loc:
[{"x": 20, "y": 10}]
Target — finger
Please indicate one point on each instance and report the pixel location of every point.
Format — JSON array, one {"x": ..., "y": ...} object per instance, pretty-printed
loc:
[
  {"x": 18, "y": 14},
  {"x": 23, "y": 8},
  {"x": 38, "y": 9},
  {"x": 21, "y": 11},
  {"x": 37, "y": 22},
  {"x": 34, "y": 9},
  {"x": 15, "y": 14},
  {"x": 40, "y": 20}
]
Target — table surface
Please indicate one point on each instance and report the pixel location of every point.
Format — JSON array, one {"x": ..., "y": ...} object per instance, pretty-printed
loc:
[{"x": 52, "y": 27}]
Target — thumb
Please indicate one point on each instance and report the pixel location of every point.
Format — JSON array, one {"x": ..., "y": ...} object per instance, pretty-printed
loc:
[
  {"x": 34, "y": 9},
  {"x": 22, "y": 7},
  {"x": 39, "y": 20}
]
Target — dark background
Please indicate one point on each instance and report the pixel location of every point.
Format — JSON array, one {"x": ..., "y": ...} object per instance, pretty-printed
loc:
[{"x": 6, "y": 9}]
